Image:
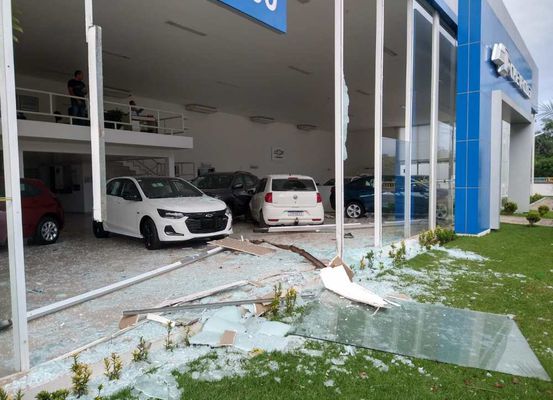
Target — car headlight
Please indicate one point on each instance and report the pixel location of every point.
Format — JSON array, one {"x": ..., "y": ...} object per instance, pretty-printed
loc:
[
  {"x": 170, "y": 214},
  {"x": 228, "y": 212}
]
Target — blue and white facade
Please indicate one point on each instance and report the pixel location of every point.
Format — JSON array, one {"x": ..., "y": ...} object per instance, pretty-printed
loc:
[{"x": 485, "y": 99}]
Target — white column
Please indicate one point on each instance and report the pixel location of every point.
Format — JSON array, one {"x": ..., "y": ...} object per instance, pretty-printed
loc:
[
  {"x": 378, "y": 94},
  {"x": 339, "y": 123},
  {"x": 13, "y": 193},
  {"x": 171, "y": 165},
  {"x": 434, "y": 123},
  {"x": 97, "y": 133},
  {"x": 409, "y": 113}
]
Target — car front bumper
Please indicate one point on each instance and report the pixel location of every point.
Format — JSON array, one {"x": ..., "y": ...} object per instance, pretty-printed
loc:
[{"x": 187, "y": 228}]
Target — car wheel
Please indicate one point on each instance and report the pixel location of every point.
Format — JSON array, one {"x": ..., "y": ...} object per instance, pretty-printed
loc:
[
  {"x": 47, "y": 231},
  {"x": 149, "y": 233},
  {"x": 355, "y": 210},
  {"x": 98, "y": 230},
  {"x": 262, "y": 223}
]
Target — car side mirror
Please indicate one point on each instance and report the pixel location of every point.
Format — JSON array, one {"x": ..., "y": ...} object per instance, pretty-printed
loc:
[
  {"x": 251, "y": 191},
  {"x": 132, "y": 197},
  {"x": 238, "y": 186}
]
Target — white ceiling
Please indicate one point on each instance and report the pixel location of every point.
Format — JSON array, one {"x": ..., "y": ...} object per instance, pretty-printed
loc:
[{"x": 239, "y": 66}]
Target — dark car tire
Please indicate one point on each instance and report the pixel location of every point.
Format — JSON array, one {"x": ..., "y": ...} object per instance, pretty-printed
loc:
[
  {"x": 354, "y": 210},
  {"x": 47, "y": 231},
  {"x": 262, "y": 223},
  {"x": 149, "y": 233},
  {"x": 98, "y": 230}
]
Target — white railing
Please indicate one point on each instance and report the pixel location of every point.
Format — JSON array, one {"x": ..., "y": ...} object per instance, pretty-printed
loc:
[{"x": 47, "y": 106}]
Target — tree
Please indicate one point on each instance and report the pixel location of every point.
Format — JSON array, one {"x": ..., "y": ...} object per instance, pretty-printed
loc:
[{"x": 546, "y": 111}]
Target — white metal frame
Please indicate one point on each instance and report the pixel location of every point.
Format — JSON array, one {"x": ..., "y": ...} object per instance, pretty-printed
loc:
[
  {"x": 378, "y": 94},
  {"x": 339, "y": 122},
  {"x": 434, "y": 120},
  {"x": 13, "y": 191},
  {"x": 97, "y": 131},
  {"x": 408, "y": 114}
]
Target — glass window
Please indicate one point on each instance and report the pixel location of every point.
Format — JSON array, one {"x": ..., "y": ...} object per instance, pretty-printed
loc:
[
  {"x": 261, "y": 185},
  {"x": 293, "y": 185},
  {"x": 29, "y": 190},
  {"x": 130, "y": 190},
  {"x": 114, "y": 187},
  {"x": 214, "y": 181},
  {"x": 250, "y": 181},
  {"x": 164, "y": 188}
]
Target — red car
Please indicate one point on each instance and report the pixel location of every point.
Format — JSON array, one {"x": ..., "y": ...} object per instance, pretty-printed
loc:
[{"x": 42, "y": 213}]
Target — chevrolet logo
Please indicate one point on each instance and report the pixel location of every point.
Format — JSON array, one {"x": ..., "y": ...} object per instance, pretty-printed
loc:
[{"x": 209, "y": 215}]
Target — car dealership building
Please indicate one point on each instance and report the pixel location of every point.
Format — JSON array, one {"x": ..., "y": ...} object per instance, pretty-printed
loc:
[{"x": 438, "y": 93}]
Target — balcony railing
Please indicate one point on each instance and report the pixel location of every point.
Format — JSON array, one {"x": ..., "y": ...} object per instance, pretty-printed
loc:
[{"x": 40, "y": 105}]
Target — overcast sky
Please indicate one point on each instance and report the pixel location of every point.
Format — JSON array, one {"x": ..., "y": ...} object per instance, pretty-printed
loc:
[{"x": 534, "y": 19}]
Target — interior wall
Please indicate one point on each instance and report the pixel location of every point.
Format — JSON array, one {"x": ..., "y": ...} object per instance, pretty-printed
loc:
[
  {"x": 232, "y": 142},
  {"x": 520, "y": 165}
]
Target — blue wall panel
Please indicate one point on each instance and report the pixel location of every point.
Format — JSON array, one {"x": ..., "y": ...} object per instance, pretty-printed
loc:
[{"x": 479, "y": 29}]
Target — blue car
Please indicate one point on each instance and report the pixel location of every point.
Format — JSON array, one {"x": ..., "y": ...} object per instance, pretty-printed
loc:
[{"x": 359, "y": 196}]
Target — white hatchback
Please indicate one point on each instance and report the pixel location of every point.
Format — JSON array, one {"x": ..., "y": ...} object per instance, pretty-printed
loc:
[
  {"x": 287, "y": 200},
  {"x": 162, "y": 209}
]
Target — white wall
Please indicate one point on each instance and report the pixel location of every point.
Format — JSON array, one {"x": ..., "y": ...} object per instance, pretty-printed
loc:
[{"x": 545, "y": 189}]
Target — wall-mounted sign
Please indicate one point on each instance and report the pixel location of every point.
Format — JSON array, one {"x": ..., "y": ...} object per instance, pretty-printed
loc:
[
  {"x": 277, "y": 153},
  {"x": 270, "y": 12},
  {"x": 505, "y": 68}
]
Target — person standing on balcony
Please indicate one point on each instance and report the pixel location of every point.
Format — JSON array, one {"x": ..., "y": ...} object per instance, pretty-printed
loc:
[{"x": 76, "y": 87}]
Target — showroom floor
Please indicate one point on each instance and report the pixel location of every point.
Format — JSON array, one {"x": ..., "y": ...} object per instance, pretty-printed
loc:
[{"x": 79, "y": 263}]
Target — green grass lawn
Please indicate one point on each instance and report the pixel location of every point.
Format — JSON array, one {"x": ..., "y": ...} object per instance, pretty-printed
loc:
[
  {"x": 549, "y": 215},
  {"x": 516, "y": 278}
]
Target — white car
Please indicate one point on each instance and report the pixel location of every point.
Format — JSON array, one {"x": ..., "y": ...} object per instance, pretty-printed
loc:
[
  {"x": 287, "y": 200},
  {"x": 162, "y": 209}
]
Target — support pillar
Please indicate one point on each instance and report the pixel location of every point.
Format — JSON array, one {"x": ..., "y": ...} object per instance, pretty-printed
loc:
[
  {"x": 434, "y": 120},
  {"x": 378, "y": 94},
  {"x": 339, "y": 123}
]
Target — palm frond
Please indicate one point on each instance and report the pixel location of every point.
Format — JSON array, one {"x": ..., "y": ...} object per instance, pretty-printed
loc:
[{"x": 546, "y": 110}]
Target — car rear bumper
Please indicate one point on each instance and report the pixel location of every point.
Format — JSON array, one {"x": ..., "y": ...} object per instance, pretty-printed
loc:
[{"x": 282, "y": 216}]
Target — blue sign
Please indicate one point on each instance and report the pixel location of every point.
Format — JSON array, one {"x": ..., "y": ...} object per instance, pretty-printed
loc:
[{"x": 270, "y": 12}]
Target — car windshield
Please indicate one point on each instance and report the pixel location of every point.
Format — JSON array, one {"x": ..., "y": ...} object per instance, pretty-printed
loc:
[
  {"x": 165, "y": 188},
  {"x": 214, "y": 181},
  {"x": 293, "y": 185}
]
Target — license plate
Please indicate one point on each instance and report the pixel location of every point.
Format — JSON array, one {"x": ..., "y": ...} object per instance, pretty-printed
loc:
[{"x": 295, "y": 213}]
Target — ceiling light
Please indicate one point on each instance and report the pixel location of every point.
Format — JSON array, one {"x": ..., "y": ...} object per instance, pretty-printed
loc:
[
  {"x": 113, "y": 54},
  {"x": 199, "y": 108},
  {"x": 185, "y": 28},
  {"x": 306, "y": 127},
  {"x": 301, "y": 71},
  {"x": 223, "y": 83},
  {"x": 259, "y": 119},
  {"x": 304, "y": 1},
  {"x": 390, "y": 52}
]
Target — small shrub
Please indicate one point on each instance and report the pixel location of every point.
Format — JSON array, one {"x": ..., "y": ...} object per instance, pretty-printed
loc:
[
  {"x": 428, "y": 239},
  {"x": 81, "y": 377},
  {"x": 169, "y": 344},
  {"x": 186, "y": 339},
  {"x": 113, "y": 367},
  {"x": 510, "y": 207},
  {"x": 535, "y": 197},
  {"x": 398, "y": 254},
  {"x": 99, "y": 395},
  {"x": 290, "y": 300},
  {"x": 61, "y": 394},
  {"x": 4, "y": 395},
  {"x": 533, "y": 217},
  {"x": 274, "y": 307},
  {"x": 370, "y": 259},
  {"x": 444, "y": 235},
  {"x": 362, "y": 264},
  {"x": 543, "y": 210},
  {"x": 142, "y": 350}
]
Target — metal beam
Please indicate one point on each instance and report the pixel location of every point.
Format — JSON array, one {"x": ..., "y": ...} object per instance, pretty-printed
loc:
[
  {"x": 97, "y": 133},
  {"x": 409, "y": 114},
  {"x": 434, "y": 122},
  {"x": 12, "y": 187},
  {"x": 378, "y": 94},
  {"x": 339, "y": 123}
]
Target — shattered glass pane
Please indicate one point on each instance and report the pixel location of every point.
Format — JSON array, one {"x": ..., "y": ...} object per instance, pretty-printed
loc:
[{"x": 463, "y": 337}]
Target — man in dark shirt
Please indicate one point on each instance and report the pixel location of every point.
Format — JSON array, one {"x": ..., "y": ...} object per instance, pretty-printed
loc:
[{"x": 76, "y": 87}]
